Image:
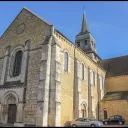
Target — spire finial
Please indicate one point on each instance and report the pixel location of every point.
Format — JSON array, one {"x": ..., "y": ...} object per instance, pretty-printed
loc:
[{"x": 84, "y": 22}]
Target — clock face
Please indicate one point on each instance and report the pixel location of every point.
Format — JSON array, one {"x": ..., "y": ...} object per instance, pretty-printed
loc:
[{"x": 20, "y": 28}]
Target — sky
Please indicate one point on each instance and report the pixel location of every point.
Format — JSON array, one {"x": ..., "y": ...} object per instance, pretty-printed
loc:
[{"x": 107, "y": 21}]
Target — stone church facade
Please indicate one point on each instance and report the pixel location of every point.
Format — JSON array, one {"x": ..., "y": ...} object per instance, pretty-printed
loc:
[{"x": 45, "y": 79}]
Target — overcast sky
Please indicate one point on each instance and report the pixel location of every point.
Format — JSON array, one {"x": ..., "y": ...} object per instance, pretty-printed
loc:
[{"x": 108, "y": 21}]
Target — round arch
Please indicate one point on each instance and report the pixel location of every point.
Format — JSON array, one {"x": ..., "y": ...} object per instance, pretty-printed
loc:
[{"x": 84, "y": 109}]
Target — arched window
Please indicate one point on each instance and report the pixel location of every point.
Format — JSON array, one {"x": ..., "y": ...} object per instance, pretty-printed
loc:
[
  {"x": 65, "y": 61},
  {"x": 17, "y": 64}
]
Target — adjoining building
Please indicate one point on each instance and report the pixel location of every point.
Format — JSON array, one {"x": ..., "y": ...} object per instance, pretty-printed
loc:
[{"x": 115, "y": 101}]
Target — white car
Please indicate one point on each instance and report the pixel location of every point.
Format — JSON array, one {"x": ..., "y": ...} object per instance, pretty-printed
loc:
[{"x": 85, "y": 122}]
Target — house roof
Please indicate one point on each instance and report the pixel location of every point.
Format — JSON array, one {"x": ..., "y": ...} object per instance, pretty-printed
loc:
[
  {"x": 115, "y": 66},
  {"x": 120, "y": 95}
]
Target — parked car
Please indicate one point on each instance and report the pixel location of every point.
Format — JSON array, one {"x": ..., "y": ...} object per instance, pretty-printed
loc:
[
  {"x": 115, "y": 119},
  {"x": 85, "y": 122}
]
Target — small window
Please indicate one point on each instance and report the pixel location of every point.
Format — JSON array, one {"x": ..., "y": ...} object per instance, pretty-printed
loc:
[
  {"x": 94, "y": 46},
  {"x": 66, "y": 62},
  {"x": 17, "y": 64},
  {"x": 92, "y": 43},
  {"x": 78, "y": 44},
  {"x": 86, "y": 42}
]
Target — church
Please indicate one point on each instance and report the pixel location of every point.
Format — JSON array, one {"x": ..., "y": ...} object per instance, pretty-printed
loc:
[{"x": 47, "y": 80}]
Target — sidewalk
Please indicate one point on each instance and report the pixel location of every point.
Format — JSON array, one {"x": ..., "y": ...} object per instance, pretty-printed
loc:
[{"x": 6, "y": 125}]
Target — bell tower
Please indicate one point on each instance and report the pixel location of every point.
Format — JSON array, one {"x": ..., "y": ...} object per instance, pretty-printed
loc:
[{"x": 85, "y": 41}]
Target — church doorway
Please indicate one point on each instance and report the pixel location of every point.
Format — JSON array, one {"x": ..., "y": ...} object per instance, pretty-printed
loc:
[
  {"x": 105, "y": 114},
  {"x": 12, "y": 109},
  {"x": 12, "y": 113},
  {"x": 83, "y": 110}
]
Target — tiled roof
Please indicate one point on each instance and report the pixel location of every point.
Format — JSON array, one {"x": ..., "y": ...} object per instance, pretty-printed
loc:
[
  {"x": 121, "y": 95},
  {"x": 115, "y": 66}
]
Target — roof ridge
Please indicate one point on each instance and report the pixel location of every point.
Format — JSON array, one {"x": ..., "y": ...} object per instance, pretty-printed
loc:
[
  {"x": 115, "y": 57},
  {"x": 117, "y": 91}
]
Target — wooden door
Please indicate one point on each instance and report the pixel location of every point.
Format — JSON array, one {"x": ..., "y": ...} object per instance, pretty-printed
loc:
[
  {"x": 105, "y": 114},
  {"x": 12, "y": 108}
]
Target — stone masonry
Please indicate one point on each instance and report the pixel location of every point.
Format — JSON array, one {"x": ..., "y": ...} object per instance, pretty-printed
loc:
[{"x": 43, "y": 93}]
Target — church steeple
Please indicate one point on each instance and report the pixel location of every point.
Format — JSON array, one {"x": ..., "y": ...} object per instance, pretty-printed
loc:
[
  {"x": 85, "y": 40},
  {"x": 84, "y": 28}
]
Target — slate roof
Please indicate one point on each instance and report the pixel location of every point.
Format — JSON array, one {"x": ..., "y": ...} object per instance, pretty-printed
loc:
[
  {"x": 115, "y": 66},
  {"x": 121, "y": 95}
]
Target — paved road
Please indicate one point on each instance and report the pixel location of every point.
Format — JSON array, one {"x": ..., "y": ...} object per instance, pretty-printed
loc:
[{"x": 125, "y": 125}]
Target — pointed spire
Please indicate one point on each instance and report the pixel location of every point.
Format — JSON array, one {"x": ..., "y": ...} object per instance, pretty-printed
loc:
[{"x": 84, "y": 24}]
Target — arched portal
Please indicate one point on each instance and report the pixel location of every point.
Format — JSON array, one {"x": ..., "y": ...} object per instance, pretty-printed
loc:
[
  {"x": 84, "y": 112},
  {"x": 105, "y": 114},
  {"x": 12, "y": 108}
]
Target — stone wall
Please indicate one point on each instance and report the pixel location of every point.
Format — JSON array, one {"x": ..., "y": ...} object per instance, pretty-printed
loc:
[
  {"x": 74, "y": 89},
  {"x": 117, "y": 107},
  {"x": 27, "y": 26},
  {"x": 118, "y": 83},
  {"x": 49, "y": 93}
]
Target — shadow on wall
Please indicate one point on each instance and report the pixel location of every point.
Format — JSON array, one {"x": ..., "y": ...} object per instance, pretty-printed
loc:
[{"x": 67, "y": 124}]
